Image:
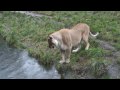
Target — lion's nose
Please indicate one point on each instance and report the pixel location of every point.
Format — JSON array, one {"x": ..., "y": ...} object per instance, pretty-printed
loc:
[{"x": 52, "y": 46}]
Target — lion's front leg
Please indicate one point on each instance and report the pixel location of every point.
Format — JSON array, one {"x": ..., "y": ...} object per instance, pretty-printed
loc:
[
  {"x": 63, "y": 57},
  {"x": 68, "y": 53}
]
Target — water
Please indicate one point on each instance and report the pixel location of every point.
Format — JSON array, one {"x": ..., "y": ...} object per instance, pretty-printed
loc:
[{"x": 16, "y": 64}]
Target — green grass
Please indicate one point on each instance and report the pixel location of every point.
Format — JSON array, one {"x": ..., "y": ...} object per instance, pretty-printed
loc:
[{"x": 31, "y": 33}]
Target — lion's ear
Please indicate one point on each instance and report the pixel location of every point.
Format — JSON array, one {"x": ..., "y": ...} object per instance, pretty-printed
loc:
[{"x": 49, "y": 37}]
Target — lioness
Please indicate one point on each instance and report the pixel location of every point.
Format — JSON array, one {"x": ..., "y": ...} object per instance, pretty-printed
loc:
[{"x": 67, "y": 39}]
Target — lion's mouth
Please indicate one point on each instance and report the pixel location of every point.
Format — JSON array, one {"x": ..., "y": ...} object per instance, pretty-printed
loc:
[{"x": 51, "y": 45}]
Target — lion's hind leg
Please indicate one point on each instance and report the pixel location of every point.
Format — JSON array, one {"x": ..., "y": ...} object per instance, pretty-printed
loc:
[{"x": 77, "y": 49}]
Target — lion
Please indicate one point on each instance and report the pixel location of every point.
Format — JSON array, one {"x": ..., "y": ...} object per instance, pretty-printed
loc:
[{"x": 67, "y": 39}]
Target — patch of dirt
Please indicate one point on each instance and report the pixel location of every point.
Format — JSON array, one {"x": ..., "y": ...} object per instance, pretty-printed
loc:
[
  {"x": 105, "y": 45},
  {"x": 30, "y": 13},
  {"x": 116, "y": 54},
  {"x": 33, "y": 14},
  {"x": 114, "y": 70}
]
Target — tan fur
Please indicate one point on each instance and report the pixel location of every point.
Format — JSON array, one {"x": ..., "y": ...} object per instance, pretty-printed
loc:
[{"x": 66, "y": 39}]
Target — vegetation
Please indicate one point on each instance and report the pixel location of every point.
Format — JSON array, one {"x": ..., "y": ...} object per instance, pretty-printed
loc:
[{"x": 30, "y": 33}]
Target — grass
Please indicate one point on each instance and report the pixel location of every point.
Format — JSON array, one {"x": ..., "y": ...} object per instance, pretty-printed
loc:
[{"x": 31, "y": 33}]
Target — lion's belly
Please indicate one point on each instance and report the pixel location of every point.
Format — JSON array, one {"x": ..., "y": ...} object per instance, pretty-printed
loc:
[
  {"x": 75, "y": 37},
  {"x": 75, "y": 40}
]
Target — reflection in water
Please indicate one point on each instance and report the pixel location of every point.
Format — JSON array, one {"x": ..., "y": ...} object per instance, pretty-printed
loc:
[{"x": 16, "y": 64}]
